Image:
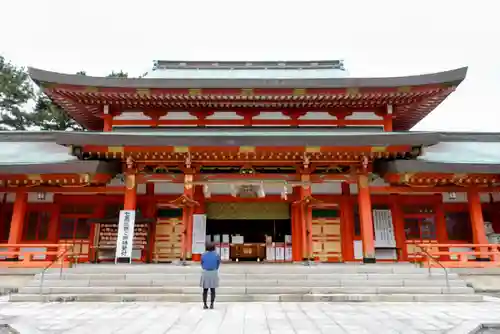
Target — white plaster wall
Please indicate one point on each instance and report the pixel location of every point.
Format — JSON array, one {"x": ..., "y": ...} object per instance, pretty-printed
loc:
[
  {"x": 317, "y": 115},
  {"x": 485, "y": 197},
  {"x": 269, "y": 115},
  {"x": 225, "y": 115},
  {"x": 460, "y": 198},
  {"x": 178, "y": 115},
  {"x": 219, "y": 189},
  {"x": 274, "y": 189},
  {"x": 169, "y": 188},
  {"x": 10, "y": 197},
  {"x": 141, "y": 189},
  {"x": 362, "y": 115},
  {"x": 132, "y": 116},
  {"x": 117, "y": 181},
  {"x": 353, "y": 187},
  {"x": 32, "y": 198},
  {"x": 329, "y": 188}
]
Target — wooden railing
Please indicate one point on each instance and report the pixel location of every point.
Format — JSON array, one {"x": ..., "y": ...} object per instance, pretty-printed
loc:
[
  {"x": 24, "y": 255},
  {"x": 477, "y": 255}
]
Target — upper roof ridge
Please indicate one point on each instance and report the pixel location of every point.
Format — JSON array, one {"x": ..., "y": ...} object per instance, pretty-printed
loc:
[{"x": 247, "y": 65}]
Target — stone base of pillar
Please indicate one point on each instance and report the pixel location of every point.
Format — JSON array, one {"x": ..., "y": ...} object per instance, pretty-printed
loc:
[{"x": 369, "y": 260}]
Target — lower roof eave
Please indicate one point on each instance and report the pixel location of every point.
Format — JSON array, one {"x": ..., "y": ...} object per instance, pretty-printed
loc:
[
  {"x": 203, "y": 138},
  {"x": 68, "y": 167},
  {"x": 420, "y": 166}
]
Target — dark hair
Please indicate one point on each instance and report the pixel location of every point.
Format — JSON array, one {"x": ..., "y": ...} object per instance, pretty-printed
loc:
[{"x": 210, "y": 247}]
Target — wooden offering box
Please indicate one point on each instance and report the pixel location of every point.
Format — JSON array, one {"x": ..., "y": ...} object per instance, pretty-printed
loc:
[
  {"x": 106, "y": 234},
  {"x": 247, "y": 251}
]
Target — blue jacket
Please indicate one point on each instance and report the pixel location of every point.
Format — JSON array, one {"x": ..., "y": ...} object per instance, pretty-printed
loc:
[{"x": 210, "y": 261}]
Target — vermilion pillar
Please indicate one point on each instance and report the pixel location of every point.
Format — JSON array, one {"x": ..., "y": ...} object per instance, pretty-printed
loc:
[
  {"x": 187, "y": 216},
  {"x": 347, "y": 224},
  {"x": 108, "y": 123},
  {"x": 476, "y": 218},
  {"x": 188, "y": 232},
  {"x": 296, "y": 233},
  {"x": 306, "y": 219},
  {"x": 54, "y": 224},
  {"x": 366, "y": 220},
  {"x": 399, "y": 228},
  {"x": 130, "y": 192},
  {"x": 17, "y": 222},
  {"x": 441, "y": 232}
]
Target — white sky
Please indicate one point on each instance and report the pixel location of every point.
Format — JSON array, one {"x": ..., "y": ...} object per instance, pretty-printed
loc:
[{"x": 376, "y": 38}]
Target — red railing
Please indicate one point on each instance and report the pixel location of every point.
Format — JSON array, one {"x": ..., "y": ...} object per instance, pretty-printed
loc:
[
  {"x": 25, "y": 255},
  {"x": 468, "y": 256}
]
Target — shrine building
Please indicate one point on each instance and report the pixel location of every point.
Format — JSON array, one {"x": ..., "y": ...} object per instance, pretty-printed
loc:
[{"x": 272, "y": 161}]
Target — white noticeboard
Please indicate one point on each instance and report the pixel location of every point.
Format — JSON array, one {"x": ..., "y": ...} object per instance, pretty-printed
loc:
[
  {"x": 384, "y": 230},
  {"x": 199, "y": 233},
  {"x": 271, "y": 252},
  {"x": 280, "y": 252},
  {"x": 224, "y": 252},
  {"x": 125, "y": 237}
]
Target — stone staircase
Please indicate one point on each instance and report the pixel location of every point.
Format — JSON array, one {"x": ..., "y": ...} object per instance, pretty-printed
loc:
[{"x": 248, "y": 283}]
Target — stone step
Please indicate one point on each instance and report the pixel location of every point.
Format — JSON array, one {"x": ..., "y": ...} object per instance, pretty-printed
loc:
[
  {"x": 247, "y": 298},
  {"x": 251, "y": 276},
  {"x": 249, "y": 282},
  {"x": 256, "y": 269},
  {"x": 249, "y": 290}
]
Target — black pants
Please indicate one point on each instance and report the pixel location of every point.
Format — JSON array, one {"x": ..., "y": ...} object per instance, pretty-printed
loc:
[{"x": 212, "y": 296}]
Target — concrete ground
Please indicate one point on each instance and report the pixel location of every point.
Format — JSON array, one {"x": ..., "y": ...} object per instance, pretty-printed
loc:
[{"x": 254, "y": 318}]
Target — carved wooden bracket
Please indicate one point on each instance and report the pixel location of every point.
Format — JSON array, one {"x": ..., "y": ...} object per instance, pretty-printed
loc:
[{"x": 184, "y": 201}]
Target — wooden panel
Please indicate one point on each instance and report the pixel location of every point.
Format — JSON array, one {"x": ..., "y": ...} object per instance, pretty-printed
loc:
[
  {"x": 317, "y": 230},
  {"x": 332, "y": 247},
  {"x": 327, "y": 240},
  {"x": 332, "y": 229},
  {"x": 168, "y": 240}
]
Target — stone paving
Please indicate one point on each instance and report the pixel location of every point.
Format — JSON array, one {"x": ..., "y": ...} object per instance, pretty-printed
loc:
[{"x": 255, "y": 318}]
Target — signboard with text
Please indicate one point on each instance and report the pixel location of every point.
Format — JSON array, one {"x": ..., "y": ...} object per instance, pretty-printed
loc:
[
  {"x": 125, "y": 237},
  {"x": 199, "y": 233}
]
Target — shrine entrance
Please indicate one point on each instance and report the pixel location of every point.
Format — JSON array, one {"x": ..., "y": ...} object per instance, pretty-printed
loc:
[{"x": 250, "y": 231}]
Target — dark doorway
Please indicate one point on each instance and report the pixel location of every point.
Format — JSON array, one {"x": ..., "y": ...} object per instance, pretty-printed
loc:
[{"x": 253, "y": 231}]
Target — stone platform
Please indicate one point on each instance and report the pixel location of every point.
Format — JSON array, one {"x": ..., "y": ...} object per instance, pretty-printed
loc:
[
  {"x": 249, "y": 318},
  {"x": 249, "y": 283}
]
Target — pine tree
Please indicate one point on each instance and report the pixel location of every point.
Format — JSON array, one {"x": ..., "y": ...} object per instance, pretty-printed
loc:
[
  {"x": 48, "y": 116},
  {"x": 15, "y": 92},
  {"x": 120, "y": 74}
]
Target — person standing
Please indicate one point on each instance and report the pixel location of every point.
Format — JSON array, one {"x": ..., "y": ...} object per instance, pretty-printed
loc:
[{"x": 210, "y": 263}]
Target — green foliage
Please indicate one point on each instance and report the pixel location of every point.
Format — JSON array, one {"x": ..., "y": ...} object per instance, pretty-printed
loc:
[
  {"x": 120, "y": 74},
  {"x": 15, "y": 92},
  {"x": 48, "y": 116}
]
